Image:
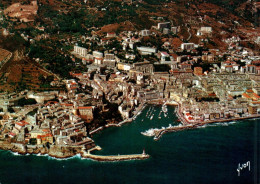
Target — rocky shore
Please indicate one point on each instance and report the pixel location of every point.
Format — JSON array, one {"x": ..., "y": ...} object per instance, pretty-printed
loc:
[
  {"x": 63, "y": 152},
  {"x": 53, "y": 151}
]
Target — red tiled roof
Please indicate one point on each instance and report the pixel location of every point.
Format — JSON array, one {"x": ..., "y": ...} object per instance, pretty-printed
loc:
[
  {"x": 67, "y": 104},
  {"x": 246, "y": 95},
  {"x": 256, "y": 96},
  {"x": 22, "y": 123},
  {"x": 89, "y": 107},
  {"x": 12, "y": 134},
  {"x": 212, "y": 94}
]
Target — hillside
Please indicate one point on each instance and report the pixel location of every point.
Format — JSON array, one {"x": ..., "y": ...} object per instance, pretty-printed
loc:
[{"x": 55, "y": 25}]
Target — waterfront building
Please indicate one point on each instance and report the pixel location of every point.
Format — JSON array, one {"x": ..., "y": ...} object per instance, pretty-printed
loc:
[{"x": 252, "y": 109}]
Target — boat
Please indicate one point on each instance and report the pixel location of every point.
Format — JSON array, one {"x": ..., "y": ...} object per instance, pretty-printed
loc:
[
  {"x": 148, "y": 111},
  {"x": 159, "y": 116},
  {"x": 151, "y": 112},
  {"x": 165, "y": 114},
  {"x": 151, "y": 117},
  {"x": 164, "y": 108}
]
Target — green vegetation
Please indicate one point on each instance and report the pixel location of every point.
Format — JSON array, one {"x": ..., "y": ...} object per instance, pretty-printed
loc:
[
  {"x": 33, "y": 141},
  {"x": 207, "y": 99},
  {"x": 162, "y": 68},
  {"x": 13, "y": 43},
  {"x": 10, "y": 109},
  {"x": 48, "y": 52},
  {"x": 22, "y": 102}
]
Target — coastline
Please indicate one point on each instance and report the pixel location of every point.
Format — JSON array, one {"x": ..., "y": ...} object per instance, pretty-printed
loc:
[
  {"x": 136, "y": 113},
  {"x": 68, "y": 152},
  {"x": 159, "y": 133},
  {"x": 64, "y": 152}
]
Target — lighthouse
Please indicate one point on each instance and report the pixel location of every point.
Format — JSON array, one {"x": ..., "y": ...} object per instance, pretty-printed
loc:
[{"x": 143, "y": 152}]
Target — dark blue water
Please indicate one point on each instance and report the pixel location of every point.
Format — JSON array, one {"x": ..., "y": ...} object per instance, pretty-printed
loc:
[{"x": 205, "y": 155}]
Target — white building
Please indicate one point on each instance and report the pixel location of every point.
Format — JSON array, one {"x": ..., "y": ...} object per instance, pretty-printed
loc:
[
  {"x": 187, "y": 46},
  {"x": 80, "y": 50},
  {"x": 162, "y": 25},
  {"x": 98, "y": 57},
  {"x": 204, "y": 30},
  {"x": 146, "y": 50},
  {"x": 109, "y": 60},
  {"x": 174, "y": 30},
  {"x": 145, "y": 32}
]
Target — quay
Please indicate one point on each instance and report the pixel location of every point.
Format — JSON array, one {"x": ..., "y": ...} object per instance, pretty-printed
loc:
[{"x": 185, "y": 125}]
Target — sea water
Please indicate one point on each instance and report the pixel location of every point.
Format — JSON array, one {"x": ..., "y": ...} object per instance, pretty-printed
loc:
[{"x": 205, "y": 155}]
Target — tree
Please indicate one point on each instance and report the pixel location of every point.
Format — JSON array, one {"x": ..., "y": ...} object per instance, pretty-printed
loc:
[{"x": 33, "y": 141}]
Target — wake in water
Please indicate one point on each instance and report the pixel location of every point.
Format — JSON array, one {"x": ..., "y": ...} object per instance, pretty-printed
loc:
[
  {"x": 218, "y": 124},
  {"x": 17, "y": 154},
  {"x": 78, "y": 156}
]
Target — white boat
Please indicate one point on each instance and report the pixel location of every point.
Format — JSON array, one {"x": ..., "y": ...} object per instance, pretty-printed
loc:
[
  {"x": 151, "y": 117},
  {"x": 164, "y": 108},
  {"x": 151, "y": 112},
  {"x": 159, "y": 116},
  {"x": 148, "y": 111},
  {"x": 165, "y": 114}
]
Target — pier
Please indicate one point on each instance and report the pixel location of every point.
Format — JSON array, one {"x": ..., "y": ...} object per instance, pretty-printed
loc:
[
  {"x": 116, "y": 157},
  {"x": 87, "y": 154}
]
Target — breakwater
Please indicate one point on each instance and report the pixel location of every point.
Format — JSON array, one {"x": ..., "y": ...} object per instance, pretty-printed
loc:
[
  {"x": 185, "y": 126},
  {"x": 108, "y": 158}
]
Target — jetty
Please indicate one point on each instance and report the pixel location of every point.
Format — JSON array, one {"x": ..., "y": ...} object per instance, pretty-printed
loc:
[
  {"x": 116, "y": 157},
  {"x": 104, "y": 158}
]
